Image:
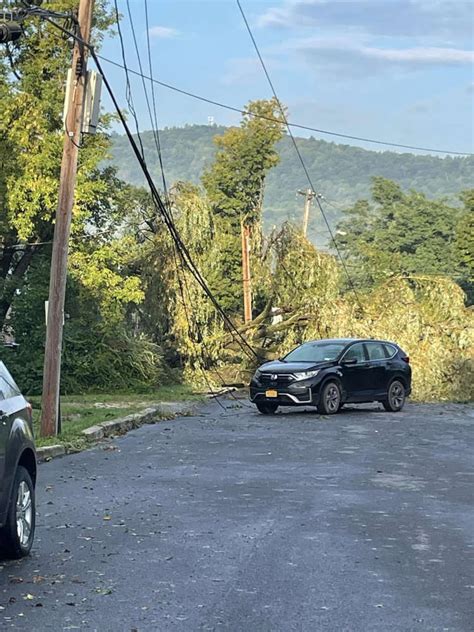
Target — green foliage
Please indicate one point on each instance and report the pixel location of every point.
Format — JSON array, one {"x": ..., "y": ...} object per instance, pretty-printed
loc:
[
  {"x": 401, "y": 233},
  {"x": 175, "y": 311},
  {"x": 98, "y": 353},
  {"x": 32, "y": 82},
  {"x": 341, "y": 172},
  {"x": 464, "y": 244},
  {"x": 100, "y": 272},
  {"x": 132, "y": 307},
  {"x": 426, "y": 316},
  {"x": 300, "y": 294},
  {"x": 101, "y": 348},
  {"x": 234, "y": 183}
]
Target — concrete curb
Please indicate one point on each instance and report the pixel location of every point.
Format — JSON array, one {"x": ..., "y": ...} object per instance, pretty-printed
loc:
[
  {"x": 160, "y": 412},
  {"x": 164, "y": 410},
  {"x": 50, "y": 452}
]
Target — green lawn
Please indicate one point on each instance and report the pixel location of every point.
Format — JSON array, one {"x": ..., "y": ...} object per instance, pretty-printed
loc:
[{"x": 81, "y": 411}]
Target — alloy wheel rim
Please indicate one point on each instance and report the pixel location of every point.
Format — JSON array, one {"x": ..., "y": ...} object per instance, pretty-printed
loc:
[
  {"x": 24, "y": 513},
  {"x": 397, "y": 395},
  {"x": 332, "y": 398}
]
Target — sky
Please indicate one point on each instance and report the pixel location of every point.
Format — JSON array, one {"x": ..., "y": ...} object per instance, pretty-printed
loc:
[{"x": 395, "y": 70}]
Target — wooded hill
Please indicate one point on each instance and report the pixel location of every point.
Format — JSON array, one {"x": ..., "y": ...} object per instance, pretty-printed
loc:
[{"x": 342, "y": 173}]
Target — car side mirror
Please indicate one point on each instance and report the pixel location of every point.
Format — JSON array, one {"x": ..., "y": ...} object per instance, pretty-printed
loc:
[{"x": 350, "y": 361}]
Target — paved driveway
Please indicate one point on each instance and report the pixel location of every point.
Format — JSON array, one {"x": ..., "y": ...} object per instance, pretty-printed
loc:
[{"x": 230, "y": 520}]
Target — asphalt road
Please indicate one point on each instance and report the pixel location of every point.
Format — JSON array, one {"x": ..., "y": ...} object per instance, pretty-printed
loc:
[{"x": 230, "y": 520}]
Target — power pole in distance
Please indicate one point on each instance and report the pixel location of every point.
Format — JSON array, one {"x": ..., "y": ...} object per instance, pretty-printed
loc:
[
  {"x": 247, "y": 289},
  {"x": 57, "y": 287},
  {"x": 309, "y": 194}
]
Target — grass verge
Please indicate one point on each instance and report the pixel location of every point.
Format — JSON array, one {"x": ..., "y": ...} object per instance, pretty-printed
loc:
[{"x": 82, "y": 411}]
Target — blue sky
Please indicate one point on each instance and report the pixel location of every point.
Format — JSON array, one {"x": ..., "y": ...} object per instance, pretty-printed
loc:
[{"x": 397, "y": 70}]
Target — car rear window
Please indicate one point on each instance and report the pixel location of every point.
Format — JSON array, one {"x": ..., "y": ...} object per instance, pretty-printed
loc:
[
  {"x": 390, "y": 350},
  {"x": 8, "y": 388}
]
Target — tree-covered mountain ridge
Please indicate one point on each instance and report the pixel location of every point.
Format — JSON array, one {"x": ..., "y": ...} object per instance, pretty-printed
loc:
[{"x": 341, "y": 173}]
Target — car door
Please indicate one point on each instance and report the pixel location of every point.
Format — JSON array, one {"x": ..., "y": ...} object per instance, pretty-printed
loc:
[
  {"x": 11, "y": 403},
  {"x": 378, "y": 373},
  {"x": 4, "y": 432},
  {"x": 355, "y": 374}
]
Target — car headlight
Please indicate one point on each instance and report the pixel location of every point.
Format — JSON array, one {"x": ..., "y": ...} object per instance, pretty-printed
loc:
[
  {"x": 305, "y": 375},
  {"x": 257, "y": 374}
]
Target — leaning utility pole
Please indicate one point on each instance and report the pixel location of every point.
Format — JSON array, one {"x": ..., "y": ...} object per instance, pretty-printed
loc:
[
  {"x": 57, "y": 288},
  {"x": 310, "y": 194},
  {"x": 245, "y": 229}
]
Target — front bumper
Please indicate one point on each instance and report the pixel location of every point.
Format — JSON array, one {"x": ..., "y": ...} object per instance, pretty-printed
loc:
[{"x": 287, "y": 396}]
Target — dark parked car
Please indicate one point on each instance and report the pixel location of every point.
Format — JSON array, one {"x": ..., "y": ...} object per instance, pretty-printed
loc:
[
  {"x": 330, "y": 373},
  {"x": 17, "y": 470}
]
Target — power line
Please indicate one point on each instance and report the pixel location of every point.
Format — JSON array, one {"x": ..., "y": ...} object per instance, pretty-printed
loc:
[
  {"x": 156, "y": 136},
  {"x": 309, "y": 128},
  {"x": 184, "y": 252},
  {"x": 300, "y": 157},
  {"x": 128, "y": 89},
  {"x": 153, "y": 96},
  {"x": 243, "y": 111}
]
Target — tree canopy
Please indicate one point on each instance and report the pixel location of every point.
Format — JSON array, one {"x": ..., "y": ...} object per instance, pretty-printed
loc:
[
  {"x": 135, "y": 313},
  {"x": 32, "y": 86},
  {"x": 407, "y": 234}
]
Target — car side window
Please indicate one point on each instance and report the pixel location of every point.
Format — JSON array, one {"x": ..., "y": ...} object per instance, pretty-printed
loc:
[
  {"x": 376, "y": 351},
  {"x": 8, "y": 388},
  {"x": 356, "y": 352}
]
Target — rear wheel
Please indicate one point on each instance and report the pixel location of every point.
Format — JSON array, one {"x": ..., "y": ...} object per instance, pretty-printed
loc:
[
  {"x": 16, "y": 537},
  {"x": 267, "y": 409},
  {"x": 395, "y": 397},
  {"x": 329, "y": 399}
]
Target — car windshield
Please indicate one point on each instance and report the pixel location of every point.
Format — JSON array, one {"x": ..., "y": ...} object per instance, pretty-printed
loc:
[{"x": 315, "y": 352}]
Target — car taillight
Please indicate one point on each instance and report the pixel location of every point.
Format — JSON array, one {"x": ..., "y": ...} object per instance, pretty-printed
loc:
[
  {"x": 29, "y": 408},
  {"x": 406, "y": 359}
]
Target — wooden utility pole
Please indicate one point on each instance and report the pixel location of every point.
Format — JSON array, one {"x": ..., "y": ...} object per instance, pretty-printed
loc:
[
  {"x": 57, "y": 287},
  {"x": 245, "y": 230},
  {"x": 309, "y": 194}
]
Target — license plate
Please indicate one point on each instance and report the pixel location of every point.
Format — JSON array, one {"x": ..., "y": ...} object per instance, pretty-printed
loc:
[{"x": 271, "y": 393}]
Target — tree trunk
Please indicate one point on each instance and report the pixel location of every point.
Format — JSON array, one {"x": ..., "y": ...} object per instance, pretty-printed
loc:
[{"x": 14, "y": 281}]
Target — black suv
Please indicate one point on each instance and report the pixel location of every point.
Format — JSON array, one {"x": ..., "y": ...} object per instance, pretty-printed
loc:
[
  {"x": 329, "y": 373},
  {"x": 17, "y": 470}
]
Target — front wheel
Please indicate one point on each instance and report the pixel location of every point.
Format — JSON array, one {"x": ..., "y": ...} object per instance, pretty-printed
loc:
[
  {"x": 267, "y": 409},
  {"x": 329, "y": 399},
  {"x": 16, "y": 536},
  {"x": 395, "y": 397}
]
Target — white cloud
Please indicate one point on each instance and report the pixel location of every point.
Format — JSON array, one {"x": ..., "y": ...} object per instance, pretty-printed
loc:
[
  {"x": 353, "y": 57},
  {"x": 437, "y": 56},
  {"x": 163, "y": 32},
  {"x": 447, "y": 19}
]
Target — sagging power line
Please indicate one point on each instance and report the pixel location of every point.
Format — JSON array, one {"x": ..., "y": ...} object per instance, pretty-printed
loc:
[
  {"x": 308, "y": 128},
  {"x": 187, "y": 258},
  {"x": 300, "y": 157},
  {"x": 169, "y": 222},
  {"x": 153, "y": 115}
]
